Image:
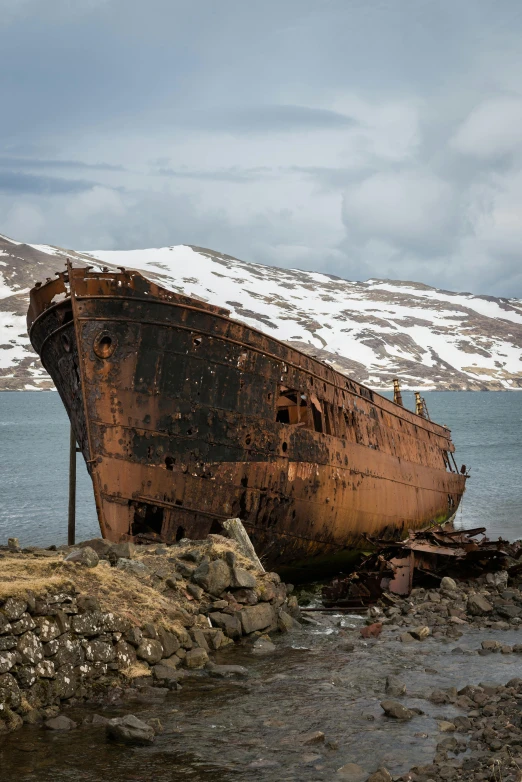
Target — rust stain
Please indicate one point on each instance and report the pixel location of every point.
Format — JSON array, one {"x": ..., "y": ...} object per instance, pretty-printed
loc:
[{"x": 186, "y": 417}]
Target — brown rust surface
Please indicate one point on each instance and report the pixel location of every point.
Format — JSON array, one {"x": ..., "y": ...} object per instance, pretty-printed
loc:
[{"x": 186, "y": 417}]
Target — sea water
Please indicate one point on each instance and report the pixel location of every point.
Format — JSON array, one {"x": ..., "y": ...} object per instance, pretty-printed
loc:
[{"x": 34, "y": 463}]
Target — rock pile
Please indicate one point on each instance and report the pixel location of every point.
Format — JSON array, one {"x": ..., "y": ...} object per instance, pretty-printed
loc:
[
  {"x": 78, "y": 622},
  {"x": 484, "y": 602},
  {"x": 489, "y": 736}
]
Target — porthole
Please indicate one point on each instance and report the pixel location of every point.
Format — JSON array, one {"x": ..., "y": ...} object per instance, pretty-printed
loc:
[
  {"x": 104, "y": 345},
  {"x": 284, "y": 447}
]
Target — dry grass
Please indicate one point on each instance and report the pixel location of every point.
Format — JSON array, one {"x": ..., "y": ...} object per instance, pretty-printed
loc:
[
  {"x": 136, "y": 670},
  {"x": 116, "y": 590},
  {"x": 133, "y": 598},
  {"x": 22, "y": 573}
]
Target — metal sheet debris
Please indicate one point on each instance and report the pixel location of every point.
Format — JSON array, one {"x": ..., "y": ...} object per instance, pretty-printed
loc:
[{"x": 423, "y": 559}]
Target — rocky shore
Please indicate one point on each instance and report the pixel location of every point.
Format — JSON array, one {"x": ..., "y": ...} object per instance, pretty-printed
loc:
[
  {"x": 481, "y": 733},
  {"x": 91, "y": 621},
  {"x": 165, "y": 647}
]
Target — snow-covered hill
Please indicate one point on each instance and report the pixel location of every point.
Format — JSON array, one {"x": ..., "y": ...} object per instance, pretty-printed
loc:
[{"x": 373, "y": 330}]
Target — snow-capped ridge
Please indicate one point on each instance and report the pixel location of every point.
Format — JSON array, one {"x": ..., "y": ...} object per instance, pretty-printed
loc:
[{"x": 373, "y": 330}]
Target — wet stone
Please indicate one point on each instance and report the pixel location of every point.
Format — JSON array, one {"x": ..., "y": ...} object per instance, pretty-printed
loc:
[
  {"x": 396, "y": 710},
  {"x": 60, "y": 723},
  {"x": 263, "y": 646},
  {"x": 196, "y": 658},
  {"x": 258, "y": 617},
  {"x": 230, "y": 625}
]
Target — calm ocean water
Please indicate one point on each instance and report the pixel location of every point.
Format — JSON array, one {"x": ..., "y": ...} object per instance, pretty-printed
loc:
[{"x": 34, "y": 457}]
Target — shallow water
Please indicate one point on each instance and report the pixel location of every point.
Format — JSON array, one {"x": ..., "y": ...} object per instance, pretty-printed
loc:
[{"x": 250, "y": 729}]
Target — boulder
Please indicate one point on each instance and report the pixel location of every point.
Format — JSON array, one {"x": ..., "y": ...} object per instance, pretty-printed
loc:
[
  {"x": 125, "y": 654},
  {"x": 231, "y": 625},
  {"x": 150, "y": 650},
  {"x": 60, "y": 723},
  {"x": 84, "y": 556},
  {"x": 227, "y": 671},
  {"x": 448, "y": 584},
  {"x": 87, "y": 624},
  {"x": 99, "y": 545},
  {"x": 22, "y": 625},
  {"x": 125, "y": 550},
  {"x": 242, "y": 579},
  {"x": 48, "y": 628},
  {"x": 257, "y": 617},
  {"x": 30, "y": 648},
  {"x": 13, "y": 608},
  {"x": 135, "y": 567},
  {"x": 263, "y": 646},
  {"x": 45, "y": 669},
  {"x": 478, "y": 605},
  {"x": 196, "y": 658},
  {"x": 498, "y": 579},
  {"x": 213, "y": 576},
  {"x": 396, "y": 710},
  {"x": 507, "y": 611},
  {"x": 99, "y": 651},
  {"x": 169, "y": 642},
  {"x": 7, "y": 660},
  {"x": 130, "y": 730},
  {"x": 9, "y": 691},
  {"x": 285, "y": 623}
]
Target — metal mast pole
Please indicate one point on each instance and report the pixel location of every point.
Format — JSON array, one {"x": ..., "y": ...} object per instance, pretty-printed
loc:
[{"x": 71, "y": 526}]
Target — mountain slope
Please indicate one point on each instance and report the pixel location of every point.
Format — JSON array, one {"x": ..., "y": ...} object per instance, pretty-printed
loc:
[{"x": 373, "y": 330}]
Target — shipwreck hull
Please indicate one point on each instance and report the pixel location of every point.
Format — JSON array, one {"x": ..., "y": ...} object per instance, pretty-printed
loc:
[{"x": 186, "y": 418}]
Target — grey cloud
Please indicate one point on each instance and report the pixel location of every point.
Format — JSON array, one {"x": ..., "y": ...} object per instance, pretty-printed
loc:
[
  {"x": 31, "y": 163},
  {"x": 351, "y": 137},
  {"x": 233, "y": 174},
  {"x": 275, "y": 118},
  {"x": 16, "y": 182}
]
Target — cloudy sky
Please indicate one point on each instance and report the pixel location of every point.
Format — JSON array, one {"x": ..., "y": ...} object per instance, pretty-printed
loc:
[{"x": 363, "y": 138}]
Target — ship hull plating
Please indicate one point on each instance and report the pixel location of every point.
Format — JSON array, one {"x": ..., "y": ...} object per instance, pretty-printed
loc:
[{"x": 186, "y": 418}]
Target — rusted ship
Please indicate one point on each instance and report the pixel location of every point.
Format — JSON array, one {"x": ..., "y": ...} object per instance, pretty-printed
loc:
[{"x": 186, "y": 417}]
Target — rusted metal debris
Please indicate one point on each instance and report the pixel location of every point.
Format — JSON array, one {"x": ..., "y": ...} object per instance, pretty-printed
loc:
[
  {"x": 186, "y": 418},
  {"x": 423, "y": 559}
]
